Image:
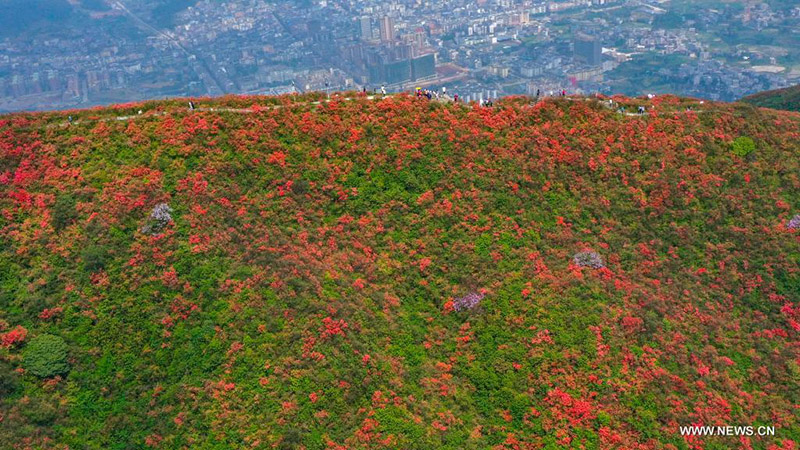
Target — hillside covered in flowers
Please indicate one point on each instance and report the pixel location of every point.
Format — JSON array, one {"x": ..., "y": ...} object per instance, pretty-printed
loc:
[{"x": 398, "y": 273}]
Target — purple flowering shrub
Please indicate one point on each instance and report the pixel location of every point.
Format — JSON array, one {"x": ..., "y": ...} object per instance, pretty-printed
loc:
[
  {"x": 588, "y": 259},
  {"x": 794, "y": 224},
  {"x": 159, "y": 218},
  {"x": 468, "y": 301}
]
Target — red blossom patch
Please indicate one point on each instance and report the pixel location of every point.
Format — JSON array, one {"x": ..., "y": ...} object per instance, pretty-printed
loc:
[{"x": 15, "y": 336}]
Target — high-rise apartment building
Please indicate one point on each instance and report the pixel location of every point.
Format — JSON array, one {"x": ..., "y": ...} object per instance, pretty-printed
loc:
[
  {"x": 365, "y": 26},
  {"x": 387, "y": 29}
]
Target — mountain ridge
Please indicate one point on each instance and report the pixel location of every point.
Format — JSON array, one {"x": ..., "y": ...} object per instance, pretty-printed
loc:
[{"x": 786, "y": 99}]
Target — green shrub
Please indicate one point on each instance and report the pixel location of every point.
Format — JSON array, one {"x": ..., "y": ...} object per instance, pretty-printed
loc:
[
  {"x": 40, "y": 411},
  {"x": 9, "y": 380},
  {"x": 94, "y": 257},
  {"x": 64, "y": 212},
  {"x": 743, "y": 146},
  {"x": 46, "y": 356},
  {"x": 291, "y": 440}
]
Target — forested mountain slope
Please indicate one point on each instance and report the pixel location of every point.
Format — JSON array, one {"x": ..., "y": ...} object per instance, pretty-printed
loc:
[
  {"x": 398, "y": 273},
  {"x": 787, "y": 98}
]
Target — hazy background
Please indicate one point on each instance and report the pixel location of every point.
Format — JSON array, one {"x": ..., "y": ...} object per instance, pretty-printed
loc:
[{"x": 78, "y": 53}]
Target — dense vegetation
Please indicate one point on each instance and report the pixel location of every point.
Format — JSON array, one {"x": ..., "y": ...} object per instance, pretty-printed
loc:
[
  {"x": 786, "y": 98},
  {"x": 398, "y": 273}
]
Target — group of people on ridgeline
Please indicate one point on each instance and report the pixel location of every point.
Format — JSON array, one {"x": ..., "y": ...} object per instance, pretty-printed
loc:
[
  {"x": 430, "y": 94},
  {"x": 426, "y": 93},
  {"x": 561, "y": 93}
]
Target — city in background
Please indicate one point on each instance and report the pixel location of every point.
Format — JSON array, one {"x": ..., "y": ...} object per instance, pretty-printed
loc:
[{"x": 80, "y": 53}]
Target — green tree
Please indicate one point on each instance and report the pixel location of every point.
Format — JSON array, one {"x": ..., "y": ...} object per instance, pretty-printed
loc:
[
  {"x": 743, "y": 146},
  {"x": 46, "y": 356}
]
